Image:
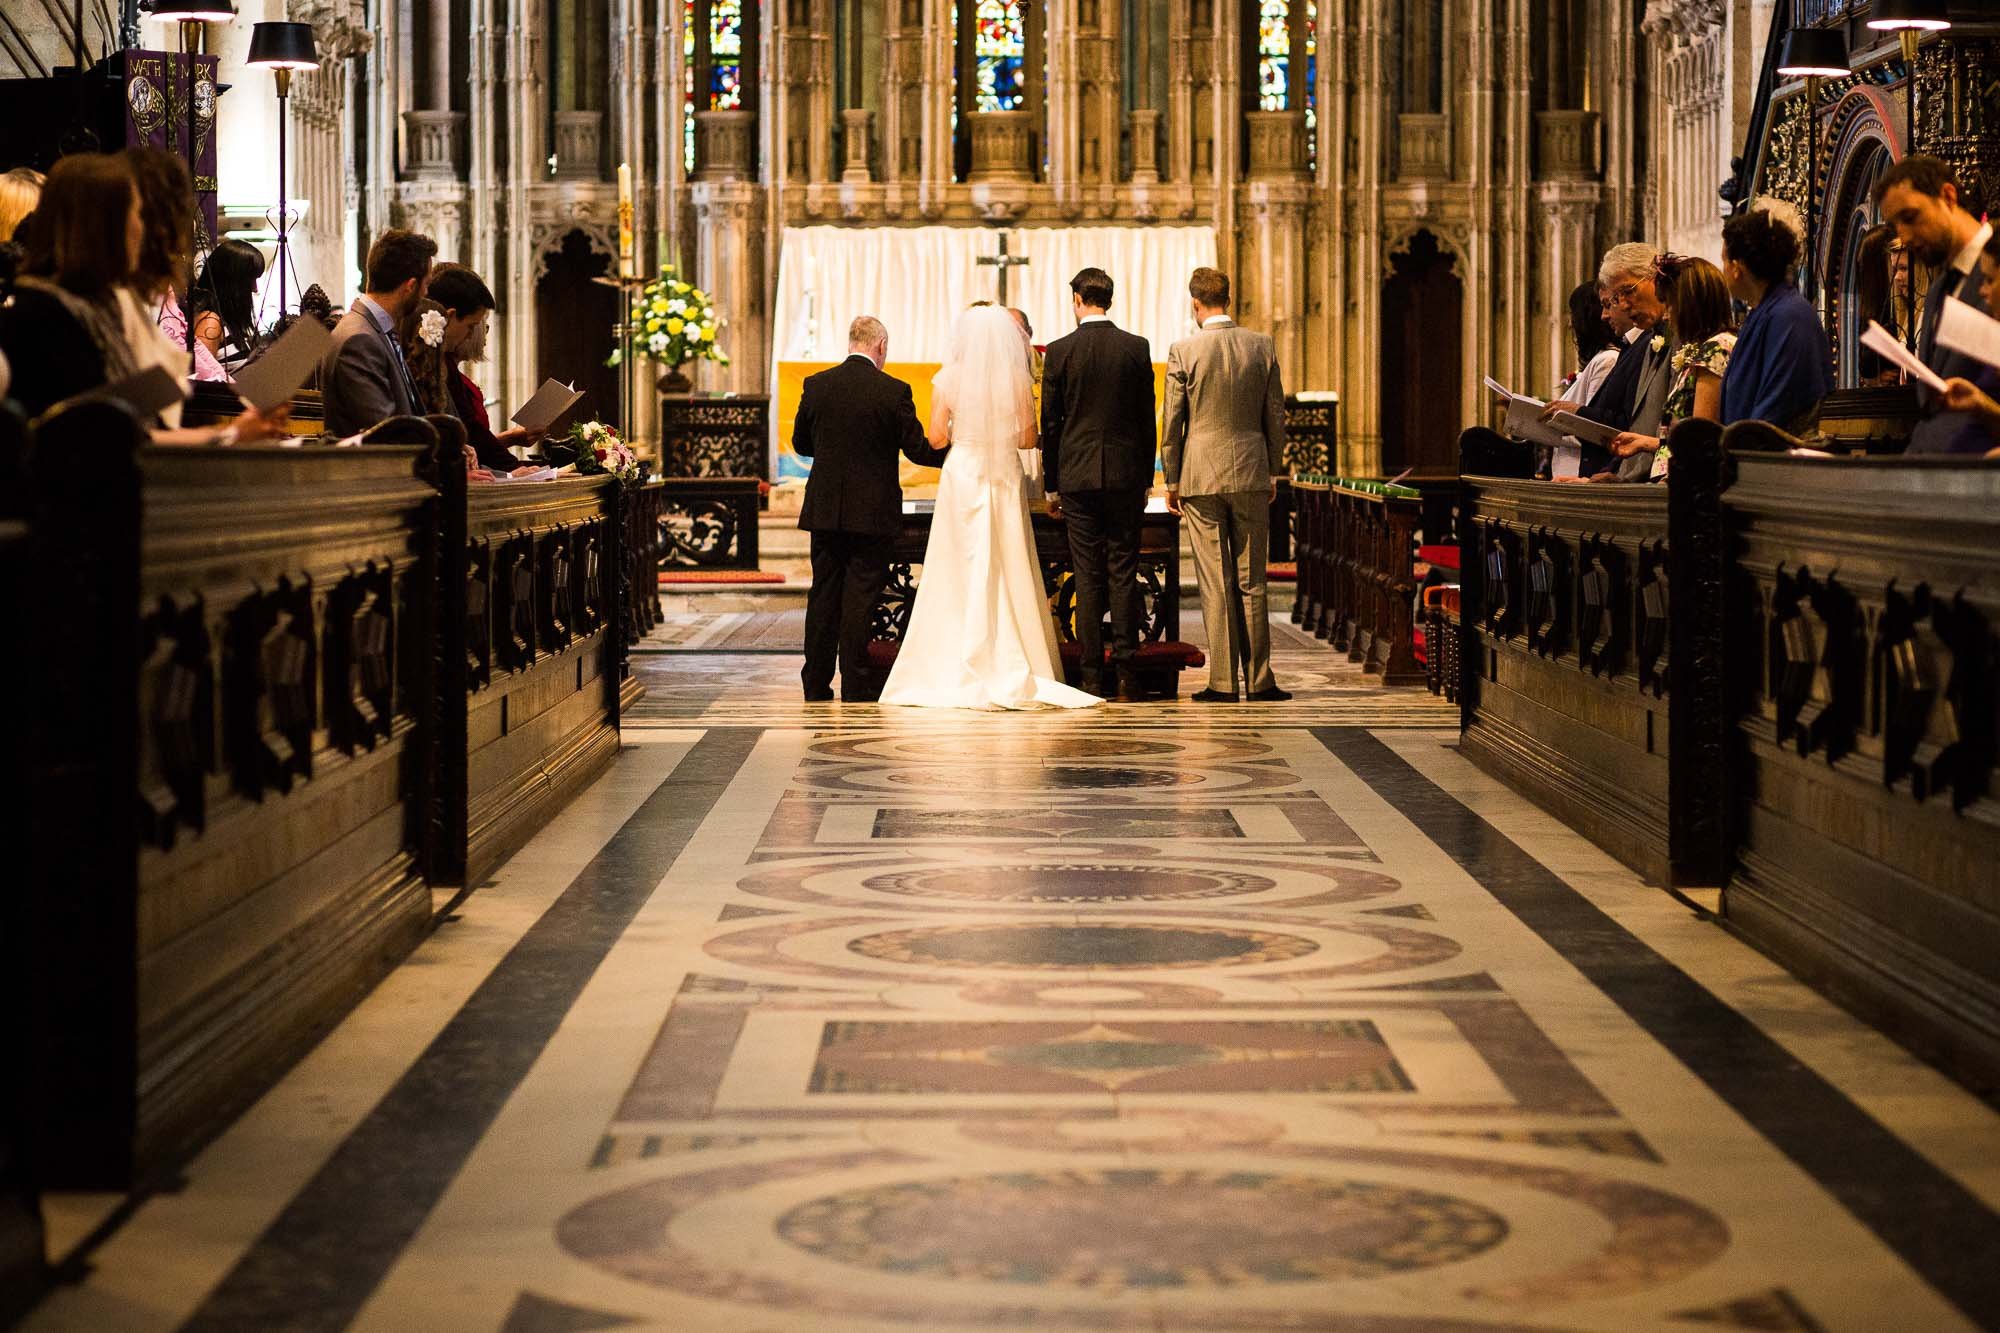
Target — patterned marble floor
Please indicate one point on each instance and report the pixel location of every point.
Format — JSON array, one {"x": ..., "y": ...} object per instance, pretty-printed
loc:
[{"x": 1160, "y": 1018}]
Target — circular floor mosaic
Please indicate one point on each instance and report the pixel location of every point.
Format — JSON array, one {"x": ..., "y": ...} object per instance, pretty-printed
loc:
[
  {"x": 1052, "y": 777},
  {"x": 1124, "y": 1229},
  {"x": 1045, "y": 947},
  {"x": 1069, "y": 883}
]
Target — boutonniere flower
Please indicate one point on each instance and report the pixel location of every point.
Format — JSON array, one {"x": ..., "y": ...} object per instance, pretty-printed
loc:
[
  {"x": 430, "y": 329},
  {"x": 1659, "y": 343}
]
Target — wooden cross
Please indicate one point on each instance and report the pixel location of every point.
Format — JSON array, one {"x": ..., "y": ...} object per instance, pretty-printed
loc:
[{"x": 1003, "y": 261}]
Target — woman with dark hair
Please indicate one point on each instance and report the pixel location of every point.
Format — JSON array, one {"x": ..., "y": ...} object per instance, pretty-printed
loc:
[
  {"x": 164, "y": 270},
  {"x": 1697, "y": 301},
  {"x": 448, "y": 331},
  {"x": 66, "y": 330},
  {"x": 225, "y": 320},
  {"x": 1782, "y": 365}
]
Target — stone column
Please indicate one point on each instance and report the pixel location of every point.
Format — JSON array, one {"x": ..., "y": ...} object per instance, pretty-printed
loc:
[
  {"x": 1272, "y": 238},
  {"x": 729, "y": 219},
  {"x": 435, "y": 133},
  {"x": 1145, "y": 146}
]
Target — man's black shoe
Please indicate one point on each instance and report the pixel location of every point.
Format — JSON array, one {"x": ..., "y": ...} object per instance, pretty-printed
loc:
[
  {"x": 1212, "y": 697},
  {"x": 1093, "y": 685},
  {"x": 819, "y": 696},
  {"x": 1274, "y": 695},
  {"x": 1128, "y": 690}
]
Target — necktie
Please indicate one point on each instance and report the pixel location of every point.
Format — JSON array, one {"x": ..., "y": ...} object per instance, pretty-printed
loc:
[{"x": 1946, "y": 285}]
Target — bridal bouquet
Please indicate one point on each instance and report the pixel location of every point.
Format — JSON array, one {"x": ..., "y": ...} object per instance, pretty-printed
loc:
[
  {"x": 598, "y": 450},
  {"x": 675, "y": 322}
]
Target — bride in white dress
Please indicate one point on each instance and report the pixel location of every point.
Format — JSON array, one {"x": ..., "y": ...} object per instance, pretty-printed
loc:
[{"x": 980, "y": 635}]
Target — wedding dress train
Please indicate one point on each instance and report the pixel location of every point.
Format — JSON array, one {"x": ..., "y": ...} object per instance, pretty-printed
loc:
[{"x": 980, "y": 634}]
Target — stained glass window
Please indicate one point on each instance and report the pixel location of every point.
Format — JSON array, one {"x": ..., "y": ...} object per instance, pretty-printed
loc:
[
  {"x": 1000, "y": 52},
  {"x": 725, "y": 65},
  {"x": 1312, "y": 84},
  {"x": 1274, "y": 53}
]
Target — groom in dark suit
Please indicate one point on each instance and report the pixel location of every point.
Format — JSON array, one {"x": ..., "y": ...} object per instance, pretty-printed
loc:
[
  {"x": 853, "y": 421},
  {"x": 1098, "y": 441}
]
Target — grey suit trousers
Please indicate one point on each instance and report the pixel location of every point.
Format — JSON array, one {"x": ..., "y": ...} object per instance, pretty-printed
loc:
[{"x": 1245, "y": 517}]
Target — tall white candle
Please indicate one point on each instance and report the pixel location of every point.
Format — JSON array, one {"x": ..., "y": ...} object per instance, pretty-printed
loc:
[{"x": 626, "y": 267}]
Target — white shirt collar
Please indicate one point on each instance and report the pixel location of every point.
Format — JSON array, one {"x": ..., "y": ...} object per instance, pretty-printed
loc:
[
  {"x": 1093, "y": 319},
  {"x": 1633, "y": 335},
  {"x": 1216, "y": 321},
  {"x": 1968, "y": 258}
]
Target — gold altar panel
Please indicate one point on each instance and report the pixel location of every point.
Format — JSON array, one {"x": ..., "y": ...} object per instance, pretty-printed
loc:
[{"x": 917, "y": 481}]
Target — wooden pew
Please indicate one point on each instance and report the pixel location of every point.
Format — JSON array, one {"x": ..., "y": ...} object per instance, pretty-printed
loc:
[
  {"x": 1564, "y": 688},
  {"x": 1357, "y": 588},
  {"x": 22, "y": 1273},
  {"x": 1862, "y": 645},
  {"x": 642, "y": 509},
  {"x": 233, "y": 650},
  {"x": 533, "y": 636}
]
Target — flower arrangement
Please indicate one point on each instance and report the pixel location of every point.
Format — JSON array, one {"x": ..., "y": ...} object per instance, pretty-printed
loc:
[
  {"x": 599, "y": 450},
  {"x": 430, "y": 328},
  {"x": 675, "y": 322}
]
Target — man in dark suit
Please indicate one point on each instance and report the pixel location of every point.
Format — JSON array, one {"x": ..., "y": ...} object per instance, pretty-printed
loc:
[
  {"x": 1919, "y": 196},
  {"x": 853, "y": 421},
  {"x": 364, "y": 379},
  {"x": 1098, "y": 440}
]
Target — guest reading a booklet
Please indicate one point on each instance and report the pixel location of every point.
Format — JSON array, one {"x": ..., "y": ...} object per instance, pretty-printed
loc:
[{"x": 462, "y": 301}]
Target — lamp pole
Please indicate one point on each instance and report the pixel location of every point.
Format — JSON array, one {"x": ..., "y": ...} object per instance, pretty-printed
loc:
[
  {"x": 282, "y": 48},
  {"x": 191, "y": 16}
]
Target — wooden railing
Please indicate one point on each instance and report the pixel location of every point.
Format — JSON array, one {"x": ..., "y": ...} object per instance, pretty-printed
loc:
[
  {"x": 1862, "y": 647},
  {"x": 1776, "y": 674},
  {"x": 1356, "y": 544},
  {"x": 228, "y": 746},
  {"x": 278, "y": 695}
]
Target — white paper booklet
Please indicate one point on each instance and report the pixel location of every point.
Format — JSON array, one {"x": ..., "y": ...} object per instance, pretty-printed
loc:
[
  {"x": 1883, "y": 343},
  {"x": 1583, "y": 428},
  {"x": 1963, "y": 329},
  {"x": 547, "y": 406},
  {"x": 269, "y": 382}
]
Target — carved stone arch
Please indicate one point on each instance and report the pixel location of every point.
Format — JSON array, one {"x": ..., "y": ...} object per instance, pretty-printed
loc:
[
  {"x": 549, "y": 239},
  {"x": 1404, "y": 235}
]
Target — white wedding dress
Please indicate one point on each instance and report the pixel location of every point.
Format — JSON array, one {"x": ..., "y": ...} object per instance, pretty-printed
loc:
[{"x": 980, "y": 634}]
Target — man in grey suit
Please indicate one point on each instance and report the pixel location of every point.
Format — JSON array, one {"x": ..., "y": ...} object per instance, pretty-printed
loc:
[
  {"x": 1223, "y": 448},
  {"x": 364, "y": 379}
]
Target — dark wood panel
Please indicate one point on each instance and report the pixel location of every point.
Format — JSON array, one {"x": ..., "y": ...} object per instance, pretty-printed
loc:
[
  {"x": 226, "y": 634},
  {"x": 1863, "y": 654}
]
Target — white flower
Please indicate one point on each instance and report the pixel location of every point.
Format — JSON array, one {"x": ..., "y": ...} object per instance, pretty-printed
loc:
[
  {"x": 676, "y": 307},
  {"x": 431, "y": 328},
  {"x": 1659, "y": 343}
]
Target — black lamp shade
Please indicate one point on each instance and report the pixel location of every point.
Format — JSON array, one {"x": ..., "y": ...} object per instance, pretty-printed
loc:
[
  {"x": 191, "y": 11},
  {"x": 1897, "y": 15},
  {"x": 282, "y": 46},
  {"x": 1809, "y": 52}
]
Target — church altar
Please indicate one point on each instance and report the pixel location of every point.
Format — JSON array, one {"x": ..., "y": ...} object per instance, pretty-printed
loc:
[{"x": 917, "y": 280}]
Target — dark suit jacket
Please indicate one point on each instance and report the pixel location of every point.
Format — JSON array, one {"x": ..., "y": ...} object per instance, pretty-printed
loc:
[
  {"x": 1947, "y": 432},
  {"x": 1098, "y": 430},
  {"x": 853, "y": 420},
  {"x": 361, "y": 381}
]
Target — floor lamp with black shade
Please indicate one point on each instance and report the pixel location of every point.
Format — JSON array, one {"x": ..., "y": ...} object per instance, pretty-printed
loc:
[
  {"x": 282, "y": 48},
  {"x": 1813, "y": 54},
  {"x": 193, "y": 17}
]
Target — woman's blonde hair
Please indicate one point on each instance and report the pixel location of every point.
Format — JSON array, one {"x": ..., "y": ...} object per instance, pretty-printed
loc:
[{"x": 20, "y": 192}]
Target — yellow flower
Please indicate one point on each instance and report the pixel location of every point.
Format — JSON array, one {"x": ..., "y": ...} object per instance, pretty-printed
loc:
[
  {"x": 681, "y": 287},
  {"x": 707, "y": 333},
  {"x": 652, "y": 326},
  {"x": 700, "y": 295},
  {"x": 659, "y": 305},
  {"x": 674, "y": 326}
]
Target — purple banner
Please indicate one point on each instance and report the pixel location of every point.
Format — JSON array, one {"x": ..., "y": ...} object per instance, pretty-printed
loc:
[{"x": 156, "y": 114}]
